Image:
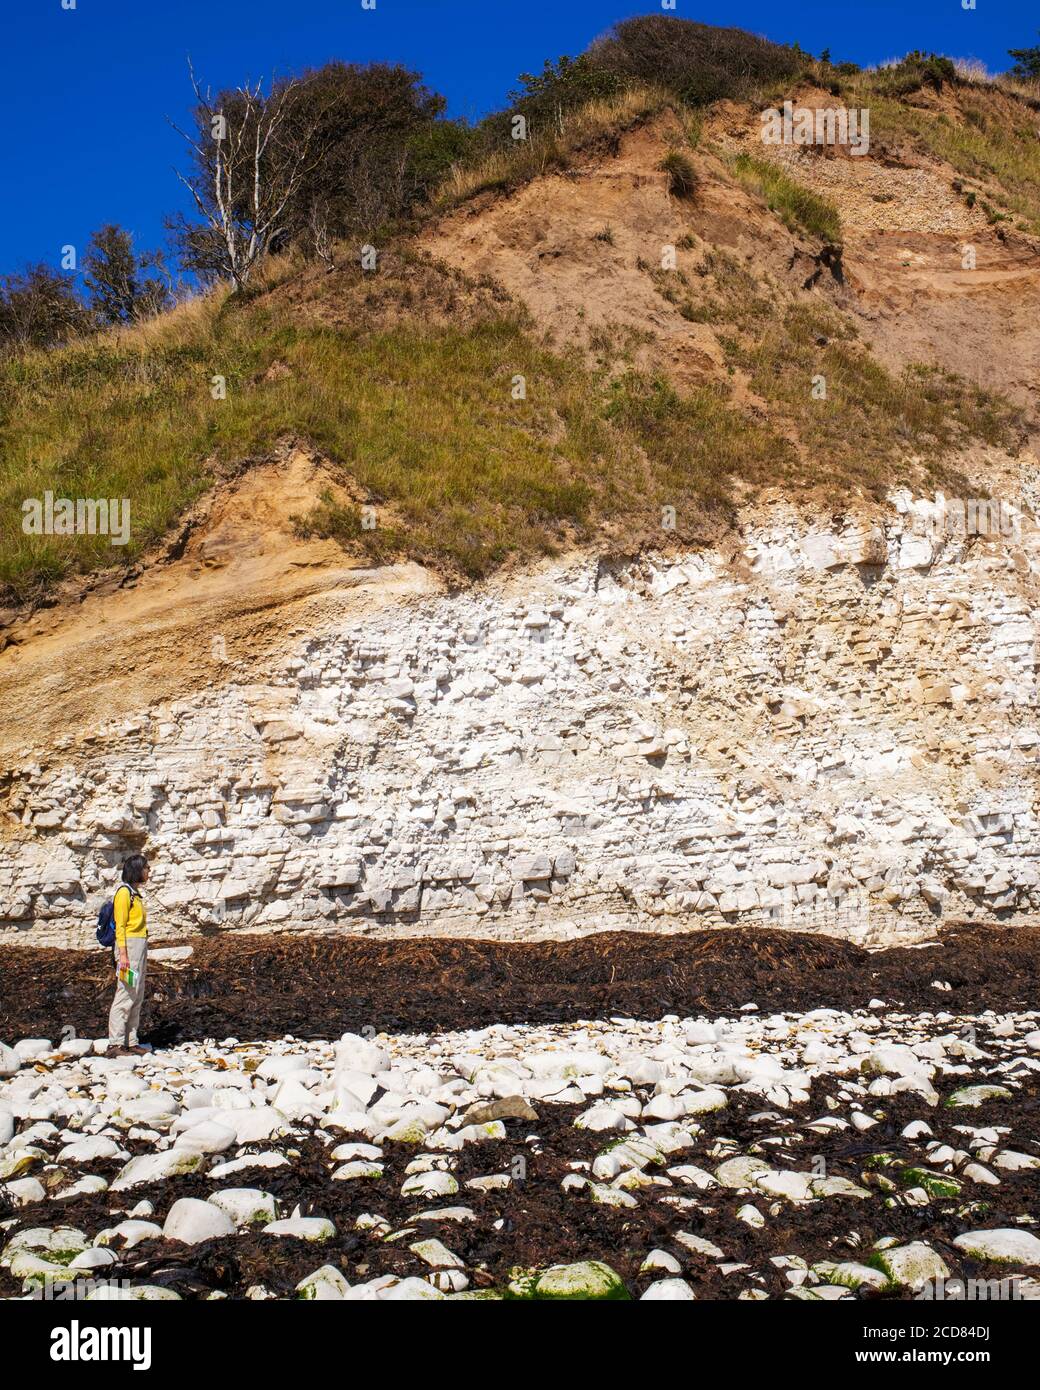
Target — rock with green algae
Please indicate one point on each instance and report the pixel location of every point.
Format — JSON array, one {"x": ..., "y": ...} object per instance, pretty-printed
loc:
[
  {"x": 935, "y": 1184},
  {"x": 836, "y": 1187},
  {"x": 1004, "y": 1245},
  {"x": 60, "y": 1243},
  {"x": 588, "y": 1280},
  {"x": 359, "y": 1168},
  {"x": 246, "y": 1206},
  {"x": 632, "y": 1181},
  {"x": 326, "y": 1284},
  {"x": 157, "y": 1168},
  {"x": 911, "y": 1266},
  {"x": 480, "y": 1134},
  {"x": 316, "y": 1228},
  {"x": 976, "y": 1095},
  {"x": 36, "y": 1272},
  {"x": 850, "y": 1274},
  {"x": 412, "y": 1131}
]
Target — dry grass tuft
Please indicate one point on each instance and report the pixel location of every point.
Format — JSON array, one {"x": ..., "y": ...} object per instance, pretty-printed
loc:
[{"x": 542, "y": 153}]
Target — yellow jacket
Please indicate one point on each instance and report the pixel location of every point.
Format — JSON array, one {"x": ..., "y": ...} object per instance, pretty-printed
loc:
[{"x": 130, "y": 915}]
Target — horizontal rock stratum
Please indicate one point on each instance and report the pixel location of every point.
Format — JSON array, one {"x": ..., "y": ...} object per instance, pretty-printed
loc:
[{"x": 832, "y": 728}]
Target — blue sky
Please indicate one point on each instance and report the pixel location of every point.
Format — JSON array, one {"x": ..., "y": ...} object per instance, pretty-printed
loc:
[{"x": 85, "y": 91}]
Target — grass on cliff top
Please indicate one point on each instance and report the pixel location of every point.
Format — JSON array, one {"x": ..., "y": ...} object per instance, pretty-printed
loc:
[
  {"x": 423, "y": 417},
  {"x": 986, "y": 130}
]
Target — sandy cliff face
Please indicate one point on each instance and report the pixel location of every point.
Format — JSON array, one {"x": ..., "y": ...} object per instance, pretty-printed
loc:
[{"x": 833, "y": 729}]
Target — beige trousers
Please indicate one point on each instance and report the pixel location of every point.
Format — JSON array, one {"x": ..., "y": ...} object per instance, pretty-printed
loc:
[{"x": 125, "y": 1013}]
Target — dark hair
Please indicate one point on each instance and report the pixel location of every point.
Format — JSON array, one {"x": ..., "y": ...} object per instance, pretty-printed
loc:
[{"x": 133, "y": 869}]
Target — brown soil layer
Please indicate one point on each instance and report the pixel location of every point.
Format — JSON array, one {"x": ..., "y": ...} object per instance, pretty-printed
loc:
[
  {"x": 320, "y": 986},
  {"x": 542, "y": 1224}
]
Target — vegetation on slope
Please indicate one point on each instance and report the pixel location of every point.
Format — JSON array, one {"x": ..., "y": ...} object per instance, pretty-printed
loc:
[
  {"x": 993, "y": 145},
  {"x": 423, "y": 415},
  {"x": 577, "y": 131},
  {"x": 984, "y": 128},
  {"x": 854, "y": 420},
  {"x": 427, "y": 416},
  {"x": 422, "y": 411},
  {"x": 799, "y": 208},
  {"x": 868, "y": 418}
]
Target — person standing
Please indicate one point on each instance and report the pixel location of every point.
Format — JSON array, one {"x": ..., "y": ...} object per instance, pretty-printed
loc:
[{"x": 131, "y": 952}]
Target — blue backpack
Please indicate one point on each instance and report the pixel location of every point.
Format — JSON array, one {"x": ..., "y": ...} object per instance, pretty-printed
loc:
[{"x": 106, "y": 922}]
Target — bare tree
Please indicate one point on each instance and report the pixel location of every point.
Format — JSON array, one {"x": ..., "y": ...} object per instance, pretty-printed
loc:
[
  {"x": 318, "y": 228},
  {"x": 251, "y": 160}
]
